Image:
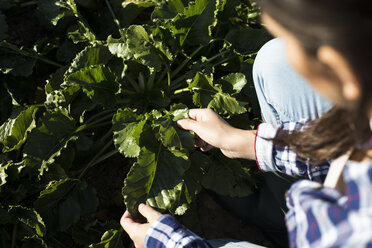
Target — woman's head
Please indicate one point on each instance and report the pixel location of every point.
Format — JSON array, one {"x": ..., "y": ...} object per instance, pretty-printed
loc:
[{"x": 329, "y": 43}]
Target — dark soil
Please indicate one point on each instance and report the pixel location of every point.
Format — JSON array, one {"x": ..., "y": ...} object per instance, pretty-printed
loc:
[{"x": 218, "y": 223}]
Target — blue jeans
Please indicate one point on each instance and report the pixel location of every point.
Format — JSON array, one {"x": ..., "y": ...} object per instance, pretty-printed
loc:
[{"x": 283, "y": 96}]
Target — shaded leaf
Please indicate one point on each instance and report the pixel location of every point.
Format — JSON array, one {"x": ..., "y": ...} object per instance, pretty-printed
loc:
[
  {"x": 15, "y": 61},
  {"x": 63, "y": 202},
  {"x": 229, "y": 177},
  {"x": 246, "y": 41},
  {"x": 157, "y": 179},
  {"x": 13, "y": 133},
  {"x": 28, "y": 217},
  {"x": 45, "y": 142}
]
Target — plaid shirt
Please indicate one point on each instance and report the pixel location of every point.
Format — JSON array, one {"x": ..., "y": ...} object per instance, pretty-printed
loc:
[{"x": 317, "y": 216}]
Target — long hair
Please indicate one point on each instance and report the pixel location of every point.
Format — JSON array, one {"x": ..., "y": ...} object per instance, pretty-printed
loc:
[{"x": 345, "y": 25}]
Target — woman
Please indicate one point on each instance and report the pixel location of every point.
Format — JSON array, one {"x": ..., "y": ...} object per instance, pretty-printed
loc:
[{"x": 328, "y": 43}]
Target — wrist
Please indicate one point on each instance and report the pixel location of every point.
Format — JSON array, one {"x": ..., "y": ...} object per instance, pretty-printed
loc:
[{"x": 240, "y": 144}]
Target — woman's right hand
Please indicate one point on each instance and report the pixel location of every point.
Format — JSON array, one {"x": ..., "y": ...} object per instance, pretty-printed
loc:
[{"x": 212, "y": 131}]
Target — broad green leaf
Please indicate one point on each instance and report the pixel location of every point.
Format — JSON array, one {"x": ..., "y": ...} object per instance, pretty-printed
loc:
[
  {"x": 203, "y": 89},
  {"x": 233, "y": 83},
  {"x": 110, "y": 239},
  {"x": 63, "y": 202},
  {"x": 136, "y": 44},
  {"x": 194, "y": 24},
  {"x": 15, "y": 61},
  {"x": 225, "y": 104},
  {"x": 90, "y": 56},
  {"x": 208, "y": 95},
  {"x": 3, "y": 27},
  {"x": 13, "y": 133},
  {"x": 97, "y": 82},
  {"x": 127, "y": 128},
  {"x": 247, "y": 41},
  {"x": 168, "y": 135},
  {"x": 28, "y": 217},
  {"x": 157, "y": 179},
  {"x": 229, "y": 177},
  {"x": 179, "y": 111},
  {"x": 45, "y": 142},
  {"x": 139, "y": 44}
]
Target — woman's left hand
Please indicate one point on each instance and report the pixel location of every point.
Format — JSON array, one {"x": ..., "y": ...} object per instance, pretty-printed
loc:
[{"x": 136, "y": 230}]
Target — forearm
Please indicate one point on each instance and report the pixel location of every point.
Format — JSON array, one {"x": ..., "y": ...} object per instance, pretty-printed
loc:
[{"x": 241, "y": 145}]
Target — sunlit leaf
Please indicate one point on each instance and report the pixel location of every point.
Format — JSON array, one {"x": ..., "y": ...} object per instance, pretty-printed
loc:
[
  {"x": 127, "y": 128},
  {"x": 97, "y": 82},
  {"x": 110, "y": 239},
  {"x": 13, "y": 133}
]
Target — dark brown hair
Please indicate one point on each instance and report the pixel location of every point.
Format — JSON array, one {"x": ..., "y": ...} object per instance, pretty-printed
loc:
[{"x": 346, "y": 25}]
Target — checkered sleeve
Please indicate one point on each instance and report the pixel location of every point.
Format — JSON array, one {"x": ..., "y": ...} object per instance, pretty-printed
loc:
[
  {"x": 168, "y": 232},
  {"x": 271, "y": 157},
  {"x": 323, "y": 217}
]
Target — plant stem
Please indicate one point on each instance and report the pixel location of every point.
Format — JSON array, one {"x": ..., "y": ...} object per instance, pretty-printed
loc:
[
  {"x": 104, "y": 157},
  {"x": 100, "y": 114},
  {"x": 192, "y": 89},
  {"x": 133, "y": 83},
  {"x": 99, "y": 125},
  {"x": 104, "y": 118},
  {"x": 95, "y": 158},
  {"x": 222, "y": 61},
  {"x": 14, "y": 235},
  {"x": 113, "y": 14},
  {"x": 216, "y": 56},
  {"x": 181, "y": 91},
  {"x": 184, "y": 63},
  {"x": 28, "y": 4},
  {"x": 106, "y": 135},
  {"x": 176, "y": 83}
]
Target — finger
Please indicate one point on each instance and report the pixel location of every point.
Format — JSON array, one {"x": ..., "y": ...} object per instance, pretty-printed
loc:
[
  {"x": 148, "y": 212},
  {"x": 128, "y": 223},
  {"x": 188, "y": 124}
]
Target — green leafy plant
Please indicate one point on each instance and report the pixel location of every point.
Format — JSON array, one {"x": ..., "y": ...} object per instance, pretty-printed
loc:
[{"x": 113, "y": 78}]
